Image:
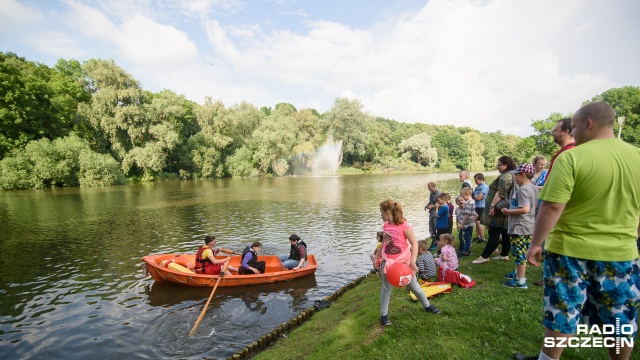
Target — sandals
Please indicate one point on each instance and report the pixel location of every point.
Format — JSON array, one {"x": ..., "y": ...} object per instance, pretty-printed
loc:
[{"x": 480, "y": 260}]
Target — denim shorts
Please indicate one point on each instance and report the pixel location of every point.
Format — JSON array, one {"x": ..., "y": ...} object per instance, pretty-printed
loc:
[{"x": 596, "y": 292}]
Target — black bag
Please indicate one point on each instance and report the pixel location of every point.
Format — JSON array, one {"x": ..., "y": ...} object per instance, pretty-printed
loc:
[{"x": 502, "y": 204}]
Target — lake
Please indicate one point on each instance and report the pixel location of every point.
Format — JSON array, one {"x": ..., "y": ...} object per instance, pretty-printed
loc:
[{"x": 72, "y": 283}]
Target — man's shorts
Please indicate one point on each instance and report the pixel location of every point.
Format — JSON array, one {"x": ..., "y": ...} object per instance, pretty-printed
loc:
[
  {"x": 520, "y": 244},
  {"x": 598, "y": 292},
  {"x": 479, "y": 212}
]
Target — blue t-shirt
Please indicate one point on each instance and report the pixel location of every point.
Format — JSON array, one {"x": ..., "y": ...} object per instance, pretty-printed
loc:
[
  {"x": 481, "y": 189},
  {"x": 442, "y": 222}
]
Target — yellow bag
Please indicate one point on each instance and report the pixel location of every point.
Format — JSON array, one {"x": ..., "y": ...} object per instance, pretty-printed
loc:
[{"x": 432, "y": 289}]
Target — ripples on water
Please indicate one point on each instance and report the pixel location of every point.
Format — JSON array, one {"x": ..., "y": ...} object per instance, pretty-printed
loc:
[{"x": 71, "y": 276}]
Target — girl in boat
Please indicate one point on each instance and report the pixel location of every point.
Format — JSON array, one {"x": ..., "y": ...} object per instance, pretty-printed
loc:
[
  {"x": 250, "y": 264},
  {"x": 206, "y": 262}
]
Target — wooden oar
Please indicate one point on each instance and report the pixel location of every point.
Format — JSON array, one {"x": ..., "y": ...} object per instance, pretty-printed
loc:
[{"x": 195, "y": 326}]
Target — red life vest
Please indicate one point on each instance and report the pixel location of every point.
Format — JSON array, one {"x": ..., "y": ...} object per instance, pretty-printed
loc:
[{"x": 203, "y": 264}]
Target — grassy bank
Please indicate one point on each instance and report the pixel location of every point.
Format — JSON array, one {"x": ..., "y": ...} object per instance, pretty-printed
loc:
[{"x": 488, "y": 321}]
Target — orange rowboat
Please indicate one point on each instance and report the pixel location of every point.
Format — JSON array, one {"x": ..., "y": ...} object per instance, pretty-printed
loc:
[{"x": 156, "y": 267}]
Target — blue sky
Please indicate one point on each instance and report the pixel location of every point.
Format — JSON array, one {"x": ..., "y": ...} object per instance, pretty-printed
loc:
[{"x": 492, "y": 65}]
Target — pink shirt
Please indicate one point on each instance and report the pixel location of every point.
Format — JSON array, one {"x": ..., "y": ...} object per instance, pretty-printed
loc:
[
  {"x": 452, "y": 259},
  {"x": 399, "y": 242},
  {"x": 398, "y": 249}
]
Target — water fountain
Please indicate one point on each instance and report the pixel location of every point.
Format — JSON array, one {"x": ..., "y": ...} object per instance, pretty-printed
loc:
[{"x": 327, "y": 159}]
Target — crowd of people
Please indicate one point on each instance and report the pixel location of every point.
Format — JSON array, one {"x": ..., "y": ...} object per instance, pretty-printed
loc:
[{"x": 586, "y": 207}]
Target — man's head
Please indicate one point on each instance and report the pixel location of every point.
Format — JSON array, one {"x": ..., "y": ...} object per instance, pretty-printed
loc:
[
  {"x": 464, "y": 175},
  {"x": 210, "y": 240},
  {"x": 562, "y": 132},
  {"x": 593, "y": 121}
]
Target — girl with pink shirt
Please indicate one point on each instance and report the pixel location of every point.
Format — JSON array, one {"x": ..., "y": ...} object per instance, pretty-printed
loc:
[
  {"x": 399, "y": 245},
  {"x": 448, "y": 257}
]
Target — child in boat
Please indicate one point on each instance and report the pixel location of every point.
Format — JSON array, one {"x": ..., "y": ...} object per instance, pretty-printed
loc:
[
  {"x": 297, "y": 257},
  {"x": 206, "y": 263},
  {"x": 250, "y": 264},
  {"x": 399, "y": 245},
  {"x": 448, "y": 257},
  {"x": 426, "y": 263}
]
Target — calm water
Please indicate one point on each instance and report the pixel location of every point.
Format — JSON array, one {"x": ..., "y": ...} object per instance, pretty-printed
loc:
[{"x": 71, "y": 279}]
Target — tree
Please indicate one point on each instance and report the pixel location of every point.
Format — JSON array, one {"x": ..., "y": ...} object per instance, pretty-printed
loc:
[
  {"x": 115, "y": 111},
  {"x": 346, "y": 122},
  {"x": 209, "y": 147},
  {"x": 452, "y": 150},
  {"x": 475, "y": 161},
  {"x": 492, "y": 148},
  {"x": 35, "y": 102},
  {"x": 274, "y": 140},
  {"x": 419, "y": 146},
  {"x": 626, "y": 102},
  {"x": 544, "y": 138},
  {"x": 133, "y": 130}
]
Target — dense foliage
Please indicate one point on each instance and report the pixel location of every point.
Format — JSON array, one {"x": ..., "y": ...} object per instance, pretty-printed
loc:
[{"x": 92, "y": 124}]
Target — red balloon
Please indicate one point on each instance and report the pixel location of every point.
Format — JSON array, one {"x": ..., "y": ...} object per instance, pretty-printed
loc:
[{"x": 399, "y": 275}]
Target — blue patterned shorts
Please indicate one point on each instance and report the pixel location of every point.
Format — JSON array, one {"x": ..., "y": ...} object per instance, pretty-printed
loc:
[
  {"x": 596, "y": 292},
  {"x": 519, "y": 246}
]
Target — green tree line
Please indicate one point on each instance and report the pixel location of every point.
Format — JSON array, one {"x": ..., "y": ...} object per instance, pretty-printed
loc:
[{"x": 92, "y": 124}]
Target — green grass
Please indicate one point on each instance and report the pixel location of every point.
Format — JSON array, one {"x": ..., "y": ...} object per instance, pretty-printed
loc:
[{"x": 488, "y": 321}]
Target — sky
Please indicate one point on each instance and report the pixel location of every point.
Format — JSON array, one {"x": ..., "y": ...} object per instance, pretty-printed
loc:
[{"x": 490, "y": 65}]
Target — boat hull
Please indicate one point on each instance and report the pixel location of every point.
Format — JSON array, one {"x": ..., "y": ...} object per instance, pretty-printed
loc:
[{"x": 273, "y": 271}]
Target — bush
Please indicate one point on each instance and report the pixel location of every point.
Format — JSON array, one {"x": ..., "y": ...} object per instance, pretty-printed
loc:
[
  {"x": 99, "y": 170},
  {"x": 389, "y": 163},
  {"x": 239, "y": 163},
  {"x": 43, "y": 163}
]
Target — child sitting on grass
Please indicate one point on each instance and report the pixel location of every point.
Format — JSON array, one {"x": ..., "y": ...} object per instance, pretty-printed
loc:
[
  {"x": 426, "y": 263},
  {"x": 448, "y": 258}
]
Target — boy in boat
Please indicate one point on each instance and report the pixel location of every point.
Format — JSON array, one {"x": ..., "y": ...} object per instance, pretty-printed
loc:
[
  {"x": 297, "y": 257},
  {"x": 250, "y": 264},
  {"x": 206, "y": 263}
]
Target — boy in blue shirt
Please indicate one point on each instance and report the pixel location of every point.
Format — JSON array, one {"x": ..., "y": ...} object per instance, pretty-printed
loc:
[
  {"x": 442, "y": 220},
  {"x": 479, "y": 195}
]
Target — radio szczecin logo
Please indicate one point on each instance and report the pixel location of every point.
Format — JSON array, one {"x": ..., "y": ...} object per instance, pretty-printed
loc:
[{"x": 603, "y": 336}]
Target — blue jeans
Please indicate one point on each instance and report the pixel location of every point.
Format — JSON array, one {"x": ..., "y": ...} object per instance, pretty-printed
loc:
[
  {"x": 288, "y": 262},
  {"x": 465, "y": 238}
]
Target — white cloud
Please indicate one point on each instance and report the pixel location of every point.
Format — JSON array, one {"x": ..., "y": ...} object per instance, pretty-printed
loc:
[
  {"x": 491, "y": 65},
  {"x": 145, "y": 42},
  {"x": 56, "y": 43},
  {"x": 14, "y": 14}
]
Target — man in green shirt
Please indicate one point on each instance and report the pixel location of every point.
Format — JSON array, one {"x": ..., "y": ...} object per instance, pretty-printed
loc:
[{"x": 589, "y": 217}]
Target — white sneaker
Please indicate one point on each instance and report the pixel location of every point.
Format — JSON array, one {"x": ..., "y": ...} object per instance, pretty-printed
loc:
[
  {"x": 480, "y": 260},
  {"x": 498, "y": 258}
]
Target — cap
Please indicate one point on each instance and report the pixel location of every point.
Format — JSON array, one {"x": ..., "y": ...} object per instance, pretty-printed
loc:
[{"x": 525, "y": 169}]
